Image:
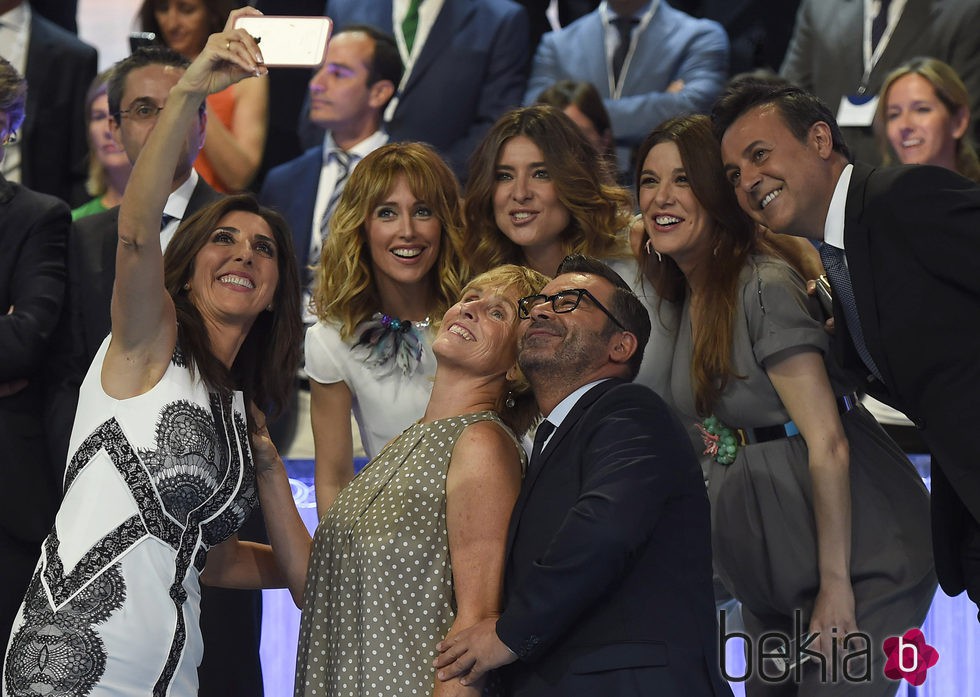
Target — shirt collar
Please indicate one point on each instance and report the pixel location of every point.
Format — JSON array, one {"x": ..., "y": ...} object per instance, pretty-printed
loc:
[
  {"x": 178, "y": 200},
  {"x": 563, "y": 407},
  {"x": 833, "y": 227},
  {"x": 18, "y": 18},
  {"x": 648, "y": 9},
  {"x": 361, "y": 149}
]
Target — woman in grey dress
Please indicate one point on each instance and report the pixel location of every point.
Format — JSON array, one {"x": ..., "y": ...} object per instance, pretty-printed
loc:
[
  {"x": 412, "y": 550},
  {"x": 814, "y": 510}
]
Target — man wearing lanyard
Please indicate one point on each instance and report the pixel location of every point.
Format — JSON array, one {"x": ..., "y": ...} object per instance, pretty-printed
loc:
[
  {"x": 842, "y": 50},
  {"x": 649, "y": 62}
]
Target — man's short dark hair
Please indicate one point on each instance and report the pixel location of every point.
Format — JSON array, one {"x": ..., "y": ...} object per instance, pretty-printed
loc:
[
  {"x": 798, "y": 108},
  {"x": 626, "y": 307},
  {"x": 13, "y": 95},
  {"x": 387, "y": 61},
  {"x": 140, "y": 58}
]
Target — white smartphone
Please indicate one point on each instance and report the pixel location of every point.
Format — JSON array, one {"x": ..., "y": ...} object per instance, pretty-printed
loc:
[{"x": 289, "y": 42}]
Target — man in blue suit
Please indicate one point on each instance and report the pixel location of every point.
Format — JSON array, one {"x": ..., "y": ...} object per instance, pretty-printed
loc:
[
  {"x": 348, "y": 95},
  {"x": 649, "y": 62},
  {"x": 465, "y": 65}
]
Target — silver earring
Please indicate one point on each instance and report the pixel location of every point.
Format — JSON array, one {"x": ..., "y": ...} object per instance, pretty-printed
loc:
[
  {"x": 187, "y": 286},
  {"x": 651, "y": 251},
  {"x": 510, "y": 402},
  {"x": 269, "y": 308}
]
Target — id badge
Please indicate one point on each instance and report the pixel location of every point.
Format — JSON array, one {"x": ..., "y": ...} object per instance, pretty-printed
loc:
[{"x": 857, "y": 109}]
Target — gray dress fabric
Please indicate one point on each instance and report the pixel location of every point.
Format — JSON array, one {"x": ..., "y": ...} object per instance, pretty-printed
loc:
[
  {"x": 763, "y": 529},
  {"x": 379, "y": 591}
]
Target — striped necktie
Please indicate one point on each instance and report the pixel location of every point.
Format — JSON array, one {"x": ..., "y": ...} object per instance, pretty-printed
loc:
[{"x": 840, "y": 279}]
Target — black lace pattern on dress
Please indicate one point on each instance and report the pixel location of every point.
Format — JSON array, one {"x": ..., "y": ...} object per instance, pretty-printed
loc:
[
  {"x": 193, "y": 490},
  {"x": 59, "y": 654}
]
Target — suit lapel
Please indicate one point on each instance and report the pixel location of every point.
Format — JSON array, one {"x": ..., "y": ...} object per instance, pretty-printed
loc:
[
  {"x": 452, "y": 18},
  {"x": 857, "y": 245},
  {"x": 202, "y": 195},
  {"x": 534, "y": 469}
]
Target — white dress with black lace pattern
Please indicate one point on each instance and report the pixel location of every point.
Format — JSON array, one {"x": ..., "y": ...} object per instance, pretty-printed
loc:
[{"x": 153, "y": 482}]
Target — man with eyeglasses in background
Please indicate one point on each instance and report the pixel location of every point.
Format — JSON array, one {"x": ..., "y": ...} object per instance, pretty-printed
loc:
[
  {"x": 33, "y": 228},
  {"x": 231, "y": 620},
  {"x": 608, "y": 585}
]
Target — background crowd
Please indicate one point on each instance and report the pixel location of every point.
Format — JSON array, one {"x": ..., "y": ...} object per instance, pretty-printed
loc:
[{"x": 447, "y": 152}]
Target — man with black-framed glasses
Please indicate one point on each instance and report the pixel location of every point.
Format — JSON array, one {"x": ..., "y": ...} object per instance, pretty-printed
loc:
[{"x": 608, "y": 576}]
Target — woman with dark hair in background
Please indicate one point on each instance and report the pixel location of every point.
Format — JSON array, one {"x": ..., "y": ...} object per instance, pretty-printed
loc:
[
  {"x": 161, "y": 476},
  {"x": 237, "y": 117},
  {"x": 581, "y": 102},
  {"x": 788, "y": 449}
]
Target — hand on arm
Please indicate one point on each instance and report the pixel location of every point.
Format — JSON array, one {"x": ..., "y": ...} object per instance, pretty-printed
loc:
[
  {"x": 333, "y": 442},
  {"x": 802, "y": 383},
  {"x": 482, "y": 485}
]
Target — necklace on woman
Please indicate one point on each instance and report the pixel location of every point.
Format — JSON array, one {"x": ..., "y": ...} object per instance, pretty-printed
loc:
[{"x": 386, "y": 342}]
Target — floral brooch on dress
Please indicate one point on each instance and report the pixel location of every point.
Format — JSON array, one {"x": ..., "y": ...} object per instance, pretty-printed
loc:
[
  {"x": 387, "y": 343},
  {"x": 719, "y": 440}
]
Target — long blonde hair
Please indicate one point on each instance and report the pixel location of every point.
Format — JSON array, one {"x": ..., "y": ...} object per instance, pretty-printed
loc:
[{"x": 345, "y": 290}]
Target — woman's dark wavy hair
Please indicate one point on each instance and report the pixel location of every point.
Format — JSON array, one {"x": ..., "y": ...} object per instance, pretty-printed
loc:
[
  {"x": 217, "y": 10},
  {"x": 599, "y": 209},
  {"x": 733, "y": 236},
  {"x": 266, "y": 364}
]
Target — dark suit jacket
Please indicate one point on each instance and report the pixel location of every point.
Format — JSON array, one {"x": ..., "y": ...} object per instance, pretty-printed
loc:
[
  {"x": 54, "y": 140},
  {"x": 471, "y": 70},
  {"x": 33, "y": 230},
  {"x": 825, "y": 55},
  {"x": 608, "y": 577},
  {"x": 912, "y": 239},
  {"x": 291, "y": 189}
]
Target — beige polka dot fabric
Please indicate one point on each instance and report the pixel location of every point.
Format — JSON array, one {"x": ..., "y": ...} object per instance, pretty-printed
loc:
[{"x": 379, "y": 594}]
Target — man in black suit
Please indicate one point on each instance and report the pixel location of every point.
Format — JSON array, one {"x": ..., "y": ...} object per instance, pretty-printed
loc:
[
  {"x": 59, "y": 69},
  {"x": 608, "y": 578},
  {"x": 907, "y": 295},
  {"x": 33, "y": 229},
  {"x": 137, "y": 90}
]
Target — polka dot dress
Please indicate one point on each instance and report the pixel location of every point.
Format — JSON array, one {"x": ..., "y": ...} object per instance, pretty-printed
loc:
[{"x": 379, "y": 593}]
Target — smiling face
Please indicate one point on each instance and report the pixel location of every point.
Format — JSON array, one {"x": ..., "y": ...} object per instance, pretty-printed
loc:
[
  {"x": 577, "y": 343},
  {"x": 674, "y": 218},
  {"x": 479, "y": 333},
  {"x": 403, "y": 238},
  {"x": 782, "y": 182},
  {"x": 110, "y": 153},
  {"x": 236, "y": 271},
  {"x": 526, "y": 205},
  {"x": 184, "y": 24},
  {"x": 919, "y": 126}
]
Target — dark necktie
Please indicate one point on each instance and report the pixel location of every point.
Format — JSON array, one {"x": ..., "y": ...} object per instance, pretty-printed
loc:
[
  {"x": 879, "y": 23},
  {"x": 840, "y": 280},
  {"x": 545, "y": 429},
  {"x": 165, "y": 220},
  {"x": 410, "y": 24},
  {"x": 624, "y": 25}
]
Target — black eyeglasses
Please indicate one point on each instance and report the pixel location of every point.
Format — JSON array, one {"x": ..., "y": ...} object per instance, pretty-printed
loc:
[
  {"x": 561, "y": 302},
  {"x": 141, "y": 111}
]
